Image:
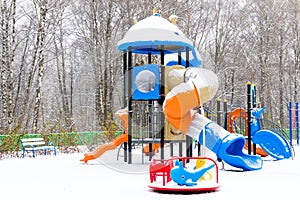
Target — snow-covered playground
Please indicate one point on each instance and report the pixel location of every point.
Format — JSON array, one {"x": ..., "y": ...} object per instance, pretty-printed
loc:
[{"x": 65, "y": 177}]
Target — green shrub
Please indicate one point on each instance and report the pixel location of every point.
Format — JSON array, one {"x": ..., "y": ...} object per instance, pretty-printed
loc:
[{"x": 11, "y": 142}]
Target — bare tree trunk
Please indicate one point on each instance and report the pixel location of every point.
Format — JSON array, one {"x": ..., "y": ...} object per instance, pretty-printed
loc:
[
  {"x": 281, "y": 79},
  {"x": 96, "y": 50},
  {"x": 107, "y": 62},
  {"x": 41, "y": 31},
  {"x": 62, "y": 75},
  {"x": 6, "y": 71},
  {"x": 11, "y": 66},
  {"x": 24, "y": 110},
  {"x": 264, "y": 49},
  {"x": 18, "y": 102}
]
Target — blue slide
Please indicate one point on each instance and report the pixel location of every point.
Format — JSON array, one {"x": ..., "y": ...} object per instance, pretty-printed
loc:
[{"x": 229, "y": 147}]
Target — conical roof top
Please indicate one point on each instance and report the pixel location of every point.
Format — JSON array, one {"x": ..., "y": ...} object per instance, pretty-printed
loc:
[{"x": 152, "y": 34}]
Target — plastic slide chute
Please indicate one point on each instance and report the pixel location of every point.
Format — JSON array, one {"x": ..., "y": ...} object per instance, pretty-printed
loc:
[
  {"x": 179, "y": 107},
  {"x": 271, "y": 142},
  {"x": 105, "y": 147},
  {"x": 122, "y": 114}
]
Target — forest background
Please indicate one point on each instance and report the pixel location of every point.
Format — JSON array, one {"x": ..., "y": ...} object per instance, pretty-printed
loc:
[{"x": 61, "y": 69}]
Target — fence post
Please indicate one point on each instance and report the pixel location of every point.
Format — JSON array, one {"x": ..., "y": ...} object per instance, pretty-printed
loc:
[
  {"x": 253, "y": 92},
  {"x": 291, "y": 122},
  {"x": 297, "y": 122},
  {"x": 225, "y": 114},
  {"x": 218, "y": 111},
  {"x": 249, "y": 107}
]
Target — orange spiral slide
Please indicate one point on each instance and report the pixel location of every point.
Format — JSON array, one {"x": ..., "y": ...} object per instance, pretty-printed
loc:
[{"x": 242, "y": 113}]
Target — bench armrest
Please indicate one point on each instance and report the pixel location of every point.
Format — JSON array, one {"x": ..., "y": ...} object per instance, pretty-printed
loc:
[
  {"x": 50, "y": 144},
  {"x": 27, "y": 146}
]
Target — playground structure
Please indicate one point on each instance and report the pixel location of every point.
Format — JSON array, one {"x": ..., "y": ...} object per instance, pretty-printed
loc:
[
  {"x": 163, "y": 104},
  {"x": 147, "y": 85}
]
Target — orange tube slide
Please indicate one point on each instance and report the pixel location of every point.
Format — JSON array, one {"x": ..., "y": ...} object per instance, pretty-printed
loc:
[
  {"x": 178, "y": 108},
  {"x": 200, "y": 86}
]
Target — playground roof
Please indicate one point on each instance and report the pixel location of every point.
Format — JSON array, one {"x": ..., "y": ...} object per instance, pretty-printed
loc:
[{"x": 154, "y": 33}]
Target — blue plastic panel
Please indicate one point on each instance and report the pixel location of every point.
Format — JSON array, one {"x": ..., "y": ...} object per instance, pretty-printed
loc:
[{"x": 145, "y": 82}]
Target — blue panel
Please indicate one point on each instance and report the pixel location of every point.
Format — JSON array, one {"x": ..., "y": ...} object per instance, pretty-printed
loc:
[{"x": 145, "y": 82}]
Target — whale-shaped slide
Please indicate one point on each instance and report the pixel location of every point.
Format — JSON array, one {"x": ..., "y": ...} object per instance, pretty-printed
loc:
[{"x": 274, "y": 144}]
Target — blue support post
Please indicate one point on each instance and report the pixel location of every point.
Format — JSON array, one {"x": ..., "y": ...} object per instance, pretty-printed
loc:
[
  {"x": 249, "y": 108},
  {"x": 291, "y": 122},
  {"x": 253, "y": 94}
]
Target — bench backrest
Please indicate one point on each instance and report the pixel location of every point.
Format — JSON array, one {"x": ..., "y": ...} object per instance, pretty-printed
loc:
[{"x": 33, "y": 141}]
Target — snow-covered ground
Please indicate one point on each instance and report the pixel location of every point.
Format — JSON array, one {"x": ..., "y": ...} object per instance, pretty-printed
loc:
[{"x": 65, "y": 177}]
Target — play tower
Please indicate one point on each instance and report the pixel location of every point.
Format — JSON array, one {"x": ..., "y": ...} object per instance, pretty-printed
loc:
[{"x": 146, "y": 85}]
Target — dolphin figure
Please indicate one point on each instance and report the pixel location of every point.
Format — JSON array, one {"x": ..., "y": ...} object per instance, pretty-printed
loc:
[
  {"x": 182, "y": 176},
  {"x": 255, "y": 115},
  {"x": 257, "y": 112}
]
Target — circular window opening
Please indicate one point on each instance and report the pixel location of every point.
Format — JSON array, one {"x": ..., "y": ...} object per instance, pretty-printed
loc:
[{"x": 145, "y": 81}]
